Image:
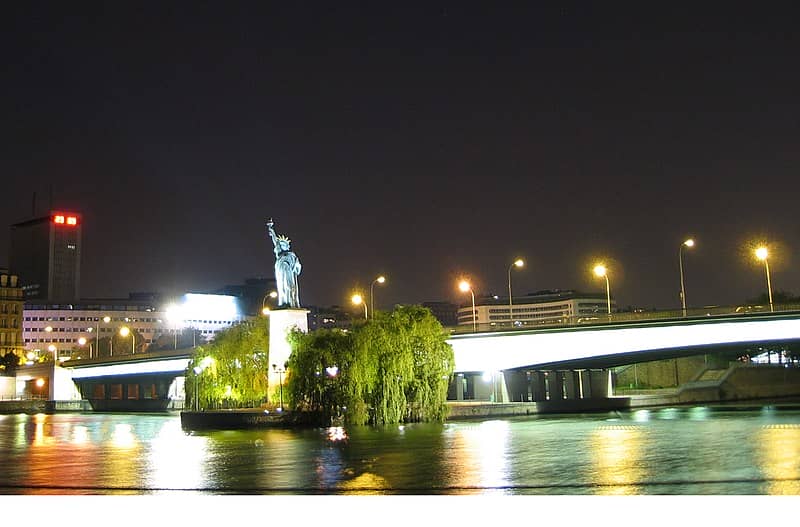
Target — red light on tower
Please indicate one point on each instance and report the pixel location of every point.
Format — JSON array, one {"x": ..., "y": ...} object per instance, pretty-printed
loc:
[
  {"x": 58, "y": 219},
  {"x": 72, "y": 220}
]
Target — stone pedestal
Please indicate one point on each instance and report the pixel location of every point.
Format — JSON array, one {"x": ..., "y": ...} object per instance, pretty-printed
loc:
[{"x": 281, "y": 323}]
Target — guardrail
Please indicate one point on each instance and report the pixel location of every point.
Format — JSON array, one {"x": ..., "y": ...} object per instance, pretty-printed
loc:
[{"x": 599, "y": 319}]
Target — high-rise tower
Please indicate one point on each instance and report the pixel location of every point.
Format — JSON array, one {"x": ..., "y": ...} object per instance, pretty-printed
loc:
[{"x": 46, "y": 255}]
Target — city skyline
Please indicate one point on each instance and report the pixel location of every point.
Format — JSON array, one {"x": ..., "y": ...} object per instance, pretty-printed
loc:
[{"x": 423, "y": 144}]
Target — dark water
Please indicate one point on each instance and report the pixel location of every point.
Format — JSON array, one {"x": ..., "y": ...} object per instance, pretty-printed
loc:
[{"x": 675, "y": 451}]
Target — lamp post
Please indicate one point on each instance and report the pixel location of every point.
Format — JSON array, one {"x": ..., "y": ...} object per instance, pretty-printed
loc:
[
  {"x": 280, "y": 372},
  {"x": 516, "y": 263},
  {"x": 687, "y": 243},
  {"x": 381, "y": 279},
  {"x": 124, "y": 331},
  {"x": 762, "y": 253},
  {"x": 464, "y": 286},
  {"x": 264, "y": 309},
  {"x": 601, "y": 270},
  {"x": 82, "y": 343},
  {"x": 357, "y": 299},
  {"x": 52, "y": 349}
]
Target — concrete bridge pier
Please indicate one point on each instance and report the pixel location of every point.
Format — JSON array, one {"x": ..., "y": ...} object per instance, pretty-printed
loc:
[
  {"x": 595, "y": 383},
  {"x": 517, "y": 385}
]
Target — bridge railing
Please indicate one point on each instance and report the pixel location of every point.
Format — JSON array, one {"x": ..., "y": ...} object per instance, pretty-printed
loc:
[{"x": 598, "y": 319}]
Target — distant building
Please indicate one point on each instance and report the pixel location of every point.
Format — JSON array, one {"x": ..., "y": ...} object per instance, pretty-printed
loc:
[
  {"x": 445, "y": 312},
  {"x": 543, "y": 307},
  {"x": 328, "y": 317},
  {"x": 11, "y": 308},
  {"x": 253, "y": 294},
  {"x": 198, "y": 317},
  {"x": 46, "y": 256}
]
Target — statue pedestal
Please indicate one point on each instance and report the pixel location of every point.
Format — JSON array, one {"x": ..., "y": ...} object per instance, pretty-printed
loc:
[{"x": 281, "y": 322}]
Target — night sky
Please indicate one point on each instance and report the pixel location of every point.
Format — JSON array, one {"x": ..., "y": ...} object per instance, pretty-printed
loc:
[{"x": 421, "y": 142}]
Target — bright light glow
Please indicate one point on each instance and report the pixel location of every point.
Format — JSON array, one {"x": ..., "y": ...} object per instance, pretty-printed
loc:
[
  {"x": 473, "y": 352},
  {"x": 124, "y": 331},
  {"x": 39, "y": 382},
  {"x": 51, "y": 348},
  {"x": 207, "y": 307},
  {"x": 106, "y": 319},
  {"x": 265, "y": 311},
  {"x": 82, "y": 341},
  {"x": 58, "y": 219},
  {"x": 161, "y": 366},
  {"x": 206, "y": 362},
  {"x": 273, "y": 294},
  {"x": 332, "y": 371},
  {"x": 49, "y": 329},
  {"x": 762, "y": 253},
  {"x": 689, "y": 243},
  {"x": 464, "y": 286},
  {"x": 357, "y": 299},
  {"x": 72, "y": 220},
  {"x": 600, "y": 270},
  {"x": 30, "y": 355},
  {"x": 381, "y": 279},
  {"x": 487, "y": 376},
  {"x": 518, "y": 262}
]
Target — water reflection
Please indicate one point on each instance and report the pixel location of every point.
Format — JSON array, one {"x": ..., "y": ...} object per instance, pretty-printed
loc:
[
  {"x": 779, "y": 454},
  {"x": 616, "y": 453},
  {"x": 482, "y": 455}
]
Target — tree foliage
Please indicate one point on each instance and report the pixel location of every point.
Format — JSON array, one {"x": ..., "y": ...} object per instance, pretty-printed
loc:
[
  {"x": 391, "y": 369},
  {"x": 232, "y": 370}
]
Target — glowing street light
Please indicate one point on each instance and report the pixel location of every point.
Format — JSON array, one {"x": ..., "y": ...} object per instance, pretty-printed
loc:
[
  {"x": 516, "y": 263},
  {"x": 124, "y": 331},
  {"x": 357, "y": 299},
  {"x": 600, "y": 270},
  {"x": 52, "y": 349},
  {"x": 464, "y": 286},
  {"x": 762, "y": 253},
  {"x": 264, "y": 309},
  {"x": 381, "y": 279},
  {"x": 687, "y": 243}
]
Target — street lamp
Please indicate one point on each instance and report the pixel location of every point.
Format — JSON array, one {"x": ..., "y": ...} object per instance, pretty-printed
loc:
[
  {"x": 601, "y": 270},
  {"x": 124, "y": 331},
  {"x": 280, "y": 372},
  {"x": 357, "y": 299},
  {"x": 761, "y": 254},
  {"x": 464, "y": 286},
  {"x": 52, "y": 349},
  {"x": 264, "y": 309},
  {"x": 381, "y": 279},
  {"x": 516, "y": 263},
  {"x": 82, "y": 342},
  {"x": 687, "y": 243}
]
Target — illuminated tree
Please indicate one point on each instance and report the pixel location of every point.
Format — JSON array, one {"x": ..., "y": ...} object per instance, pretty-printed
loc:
[
  {"x": 232, "y": 370},
  {"x": 392, "y": 369}
]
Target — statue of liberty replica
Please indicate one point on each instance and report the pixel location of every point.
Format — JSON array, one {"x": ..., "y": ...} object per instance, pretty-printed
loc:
[{"x": 287, "y": 268}]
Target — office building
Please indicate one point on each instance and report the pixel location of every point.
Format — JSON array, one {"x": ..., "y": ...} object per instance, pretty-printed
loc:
[
  {"x": 11, "y": 308},
  {"x": 46, "y": 256},
  {"x": 536, "y": 309}
]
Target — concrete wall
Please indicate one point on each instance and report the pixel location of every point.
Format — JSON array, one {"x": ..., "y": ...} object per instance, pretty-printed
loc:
[
  {"x": 8, "y": 388},
  {"x": 660, "y": 374}
]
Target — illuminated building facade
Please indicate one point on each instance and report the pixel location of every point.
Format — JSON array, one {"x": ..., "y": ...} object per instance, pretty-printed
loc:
[
  {"x": 194, "y": 319},
  {"x": 46, "y": 256},
  {"x": 540, "y": 308},
  {"x": 11, "y": 308}
]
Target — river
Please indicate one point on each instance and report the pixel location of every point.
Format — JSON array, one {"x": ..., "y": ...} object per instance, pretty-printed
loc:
[{"x": 693, "y": 451}]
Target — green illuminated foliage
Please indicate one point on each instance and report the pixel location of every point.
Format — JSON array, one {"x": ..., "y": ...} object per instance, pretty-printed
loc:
[
  {"x": 392, "y": 369},
  {"x": 232, "y": 370}
]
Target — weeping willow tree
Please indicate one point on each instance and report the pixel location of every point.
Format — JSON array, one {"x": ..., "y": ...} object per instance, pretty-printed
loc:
[
  {"x": 232, "y": 370},
  {"x": 392, "y": 369}
]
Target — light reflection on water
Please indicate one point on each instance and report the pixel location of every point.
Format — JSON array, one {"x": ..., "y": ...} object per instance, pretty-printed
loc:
[{"x": 669, "y": 451}]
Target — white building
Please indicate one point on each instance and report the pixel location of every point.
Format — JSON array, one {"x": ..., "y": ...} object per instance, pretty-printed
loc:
[
  {"x": 60, "y": 328},
  {"x": 541, "y": 308}
]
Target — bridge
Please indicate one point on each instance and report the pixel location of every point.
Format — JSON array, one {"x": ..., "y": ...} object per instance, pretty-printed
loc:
[{"x": 571, "y": 360}]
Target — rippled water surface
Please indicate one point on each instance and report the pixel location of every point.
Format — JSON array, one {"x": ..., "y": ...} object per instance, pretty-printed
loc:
[{"x": 685, "y": 451}]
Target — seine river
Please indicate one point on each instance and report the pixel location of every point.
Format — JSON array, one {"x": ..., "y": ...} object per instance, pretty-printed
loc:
[{"x": 671, "y": 451}]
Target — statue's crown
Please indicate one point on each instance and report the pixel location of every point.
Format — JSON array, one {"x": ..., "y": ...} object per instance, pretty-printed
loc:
[{"x": 284, "y": 238}]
